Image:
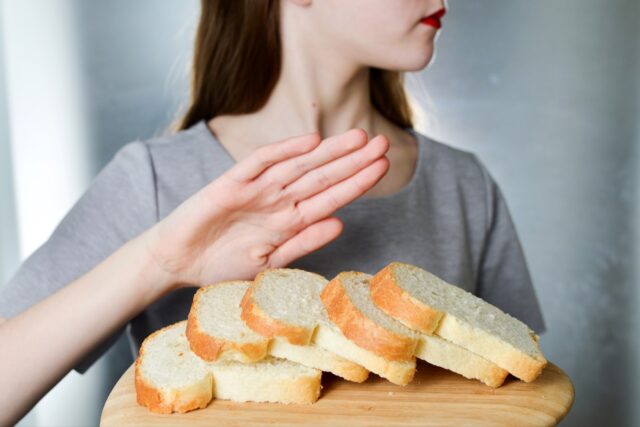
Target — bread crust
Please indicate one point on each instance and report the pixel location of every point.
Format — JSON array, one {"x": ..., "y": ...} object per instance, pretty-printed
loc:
[
  {"x": 443, "y": 353},
  {"x": 393, "y": 300},
  {"x": 397, "y": 372},
  {"x": 307, "y": 390},
  {"x": 493, "y": 377},
  {"x": 211, "y": 348},
  {"x": 350, "y": 371},
  {"x": 360, "y": 329},
  {"x": 184, "y": 400},
  {"x": 519, "y": 364},
  {"x": 266, "y": 326}
]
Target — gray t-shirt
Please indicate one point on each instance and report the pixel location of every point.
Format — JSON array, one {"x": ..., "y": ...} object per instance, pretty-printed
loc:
[{"x": 450, "y": 219}]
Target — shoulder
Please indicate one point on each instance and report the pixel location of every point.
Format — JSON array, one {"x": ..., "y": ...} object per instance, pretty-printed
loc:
[
  {"x": 447, "y": 161},
  {"x": 178, "y": 163},
  {"x": 182, "y": 142},
  {"x": 458, "y": 178},
  {"x": 185, "y": 153},
  {"x": 184, "y": 161}
]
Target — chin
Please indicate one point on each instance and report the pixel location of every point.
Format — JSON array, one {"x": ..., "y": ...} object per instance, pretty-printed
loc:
[
  {"x": 407, "y": 56},
  {"x": 421, "y": 63},
  {"x": 412, "y": 61}
]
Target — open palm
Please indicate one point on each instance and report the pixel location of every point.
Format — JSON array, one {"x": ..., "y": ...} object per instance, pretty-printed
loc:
[{"x": 269, "y": 209}]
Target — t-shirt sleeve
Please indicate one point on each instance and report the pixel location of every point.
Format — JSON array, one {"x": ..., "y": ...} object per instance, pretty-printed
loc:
[
  {"x": 504, "y": 279},
  {"x": 118, "y": 205}
]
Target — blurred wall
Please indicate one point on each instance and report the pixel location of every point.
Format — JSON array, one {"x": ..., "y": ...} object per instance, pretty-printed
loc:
[
  {"x": 82, "y": 79},
  {"x": 546, "y": 93},
  {"x": 8, "y": 233}
]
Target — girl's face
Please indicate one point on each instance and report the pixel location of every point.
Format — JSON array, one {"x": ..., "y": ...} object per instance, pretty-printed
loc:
[{"x": 387, "y": 34}]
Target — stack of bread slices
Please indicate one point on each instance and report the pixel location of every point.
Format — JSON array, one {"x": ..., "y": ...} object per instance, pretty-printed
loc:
[{"x": 268, "y": 340}]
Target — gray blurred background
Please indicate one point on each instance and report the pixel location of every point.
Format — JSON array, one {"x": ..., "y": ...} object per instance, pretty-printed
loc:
[{"x": 546, "y": 93}]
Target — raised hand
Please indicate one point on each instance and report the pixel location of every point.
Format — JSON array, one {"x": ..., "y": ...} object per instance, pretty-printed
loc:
[{"x": 269, "y": 209}]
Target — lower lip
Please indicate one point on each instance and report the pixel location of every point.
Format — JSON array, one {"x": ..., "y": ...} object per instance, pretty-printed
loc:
[{"x": 433, "y": 22}]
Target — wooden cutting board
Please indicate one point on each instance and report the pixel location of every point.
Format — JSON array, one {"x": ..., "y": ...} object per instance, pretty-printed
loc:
[{"x": 435, "y": 397}]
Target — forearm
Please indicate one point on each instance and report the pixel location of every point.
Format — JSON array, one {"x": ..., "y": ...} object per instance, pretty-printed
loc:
[{"x": 42, "y": 344}]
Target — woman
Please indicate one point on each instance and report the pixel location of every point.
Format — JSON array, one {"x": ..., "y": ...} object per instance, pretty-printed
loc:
[{"x": 272, "y": 166}]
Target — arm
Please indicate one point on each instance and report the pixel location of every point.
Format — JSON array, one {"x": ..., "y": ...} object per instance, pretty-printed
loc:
[
  {"x": 268, "y": 210},
  {"x": 41, "y": 344}
]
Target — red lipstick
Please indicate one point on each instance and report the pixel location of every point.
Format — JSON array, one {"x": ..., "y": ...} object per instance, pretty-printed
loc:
[{"x": 434, "y": 20}]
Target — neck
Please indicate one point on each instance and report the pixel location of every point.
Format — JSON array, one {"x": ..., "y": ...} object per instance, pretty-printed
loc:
[
  {"x": 319, "y": 89},
  {"x": 322, "y": 100}
]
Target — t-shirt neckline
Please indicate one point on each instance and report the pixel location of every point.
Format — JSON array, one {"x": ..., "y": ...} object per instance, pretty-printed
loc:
[{"x": 421, "y": 152}]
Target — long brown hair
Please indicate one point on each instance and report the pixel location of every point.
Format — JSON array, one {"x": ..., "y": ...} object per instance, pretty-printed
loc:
[{"x": 237, "y": 60}]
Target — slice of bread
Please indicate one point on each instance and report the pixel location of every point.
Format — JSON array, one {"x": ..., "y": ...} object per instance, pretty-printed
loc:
[
  {"x": 347, "y": 300},
  {"x": 215, "y": 329},
  {"x": 269, "y": 380},
  {"x": 316, "y": 356},
  {"x": 169, "y": 377},
  {"x": 431, "y": 348},
  {"x": 445, "y": 354},
  {"x": 397, "y": 372},
  {"x": 427, "y": 303},
  {"x": 284, "y": 304},
  {"x": 348, "y": 304}
]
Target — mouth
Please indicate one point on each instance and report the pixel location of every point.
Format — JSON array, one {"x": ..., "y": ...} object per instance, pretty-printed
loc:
[{"x": 433, "y": 20}]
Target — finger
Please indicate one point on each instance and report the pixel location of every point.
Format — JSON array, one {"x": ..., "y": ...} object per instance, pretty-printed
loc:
[
  {"x": 329, "y": 149},
  {"x": 249, "y": 168},
  {"x": 331, "y": 173},
  {"x": 306, "y": 241},
  {"x": 330, "y": 200}
]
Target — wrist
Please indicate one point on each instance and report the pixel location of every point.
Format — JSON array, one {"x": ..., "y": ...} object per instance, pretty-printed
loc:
[{"x": 159, "y": 281}]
